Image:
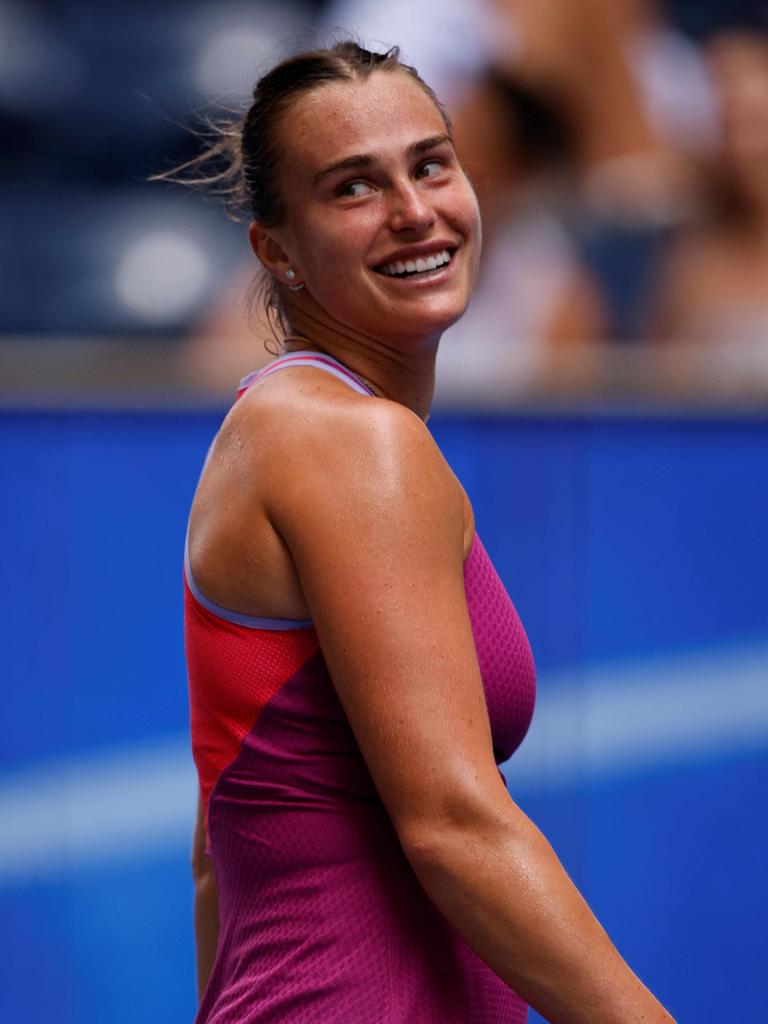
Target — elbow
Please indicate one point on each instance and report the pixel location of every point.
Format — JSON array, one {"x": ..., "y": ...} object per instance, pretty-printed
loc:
[
  {"x": 463, "y": 832},
  {"x": 438, "y": 850},
  {"x": 430, "y": 851}
]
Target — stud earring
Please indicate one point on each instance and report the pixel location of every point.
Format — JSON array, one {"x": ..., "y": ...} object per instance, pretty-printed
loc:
[{"x": 290, "y": 275}]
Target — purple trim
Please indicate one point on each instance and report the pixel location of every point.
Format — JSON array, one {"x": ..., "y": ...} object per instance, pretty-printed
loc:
[
  {"x": 237, "y": 618},
  {"x": 316, "y": 359},
  {"x": 248, "y": 380}
]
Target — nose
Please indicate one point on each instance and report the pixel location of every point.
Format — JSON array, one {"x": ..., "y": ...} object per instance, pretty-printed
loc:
[{"x": 409, "y": 209}]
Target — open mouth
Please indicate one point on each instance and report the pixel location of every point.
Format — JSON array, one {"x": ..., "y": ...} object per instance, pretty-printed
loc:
[{"x": 417, "y": 267}]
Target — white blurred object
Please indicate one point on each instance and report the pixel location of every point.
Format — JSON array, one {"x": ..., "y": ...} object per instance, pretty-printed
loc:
[
  {"x": 676, "y": 88},
  {"x": 639, "y": 715},
  {"x": 161, "y": 276},
  {"x": 449, "y": 45},
  {"x": 97, "y": 808},
  {"x": 235, "y": 41}
]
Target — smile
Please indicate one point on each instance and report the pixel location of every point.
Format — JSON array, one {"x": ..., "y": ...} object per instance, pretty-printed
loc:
[{"x": 412, "y": 268}]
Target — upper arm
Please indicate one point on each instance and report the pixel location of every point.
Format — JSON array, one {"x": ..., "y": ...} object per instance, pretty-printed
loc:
[{"x": 374, "y": 520}]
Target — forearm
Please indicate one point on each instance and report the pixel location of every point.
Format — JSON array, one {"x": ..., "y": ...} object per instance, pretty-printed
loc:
[
  {"x": 206, "y": 927},
  {"x": 506, "y": 893}
]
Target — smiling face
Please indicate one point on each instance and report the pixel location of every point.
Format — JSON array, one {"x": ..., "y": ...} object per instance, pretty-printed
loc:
[{"x": 381, "y": 223}]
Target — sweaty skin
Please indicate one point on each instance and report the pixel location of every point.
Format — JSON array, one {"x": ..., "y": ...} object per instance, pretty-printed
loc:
[
  {"x": 382, "y": 560},
  {"x": 320, "y": 503}
]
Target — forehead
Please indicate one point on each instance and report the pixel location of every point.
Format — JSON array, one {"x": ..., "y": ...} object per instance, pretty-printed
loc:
[{"x": 378, "y": 115}]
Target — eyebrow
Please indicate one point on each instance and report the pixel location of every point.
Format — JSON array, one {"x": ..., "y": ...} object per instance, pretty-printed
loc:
[{"x": 367, "y": 159}]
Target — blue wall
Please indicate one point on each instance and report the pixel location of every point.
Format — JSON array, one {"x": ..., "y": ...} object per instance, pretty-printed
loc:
[{"x": 635, "y": 550}]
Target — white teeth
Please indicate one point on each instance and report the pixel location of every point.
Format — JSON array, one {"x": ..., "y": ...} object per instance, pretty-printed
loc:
[{"x": 417, "y": 266}]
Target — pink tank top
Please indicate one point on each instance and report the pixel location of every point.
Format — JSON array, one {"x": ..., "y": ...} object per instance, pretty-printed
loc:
[{"x": 322, "y": 920}]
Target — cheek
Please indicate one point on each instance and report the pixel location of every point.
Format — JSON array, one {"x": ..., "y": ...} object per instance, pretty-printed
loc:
[
  {"x": 463, "y": 212},
  {"x": 336, "y": 246},
  {"x": 471, "y": 209},
  {"x": 468, "y": 221}
]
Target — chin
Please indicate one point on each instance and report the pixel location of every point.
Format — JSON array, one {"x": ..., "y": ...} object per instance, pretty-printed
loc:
[
  {"x": 440, "y": 319},
  {"x": 429, "y": 327}
]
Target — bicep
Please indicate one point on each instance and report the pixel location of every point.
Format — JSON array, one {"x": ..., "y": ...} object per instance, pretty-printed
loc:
[{"x": 378, "y": 541}]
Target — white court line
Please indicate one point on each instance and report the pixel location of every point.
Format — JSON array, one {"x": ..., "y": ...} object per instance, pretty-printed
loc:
[
  {"x": 64, "y": 816},
  {"x": 631, "y": 717}
]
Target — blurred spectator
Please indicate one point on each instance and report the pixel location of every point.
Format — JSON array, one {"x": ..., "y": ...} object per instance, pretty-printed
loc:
[
  {"x": 637, "y": 88},
  {"x": 642, "y": 100},
  {"x": 714, "y": 286},
  {"x": 533, "y": 293}
]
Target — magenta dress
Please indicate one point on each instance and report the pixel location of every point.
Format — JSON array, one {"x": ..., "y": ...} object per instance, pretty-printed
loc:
[{"x": 322, "y": 918}]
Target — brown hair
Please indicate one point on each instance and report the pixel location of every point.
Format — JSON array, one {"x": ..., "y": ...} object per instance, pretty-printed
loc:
[{"x": 241, "y": 164}]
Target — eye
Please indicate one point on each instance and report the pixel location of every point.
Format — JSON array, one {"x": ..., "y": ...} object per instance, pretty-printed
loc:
[
  {"x": 430, "y": 168},
  {"x": 353, "y": 189}
]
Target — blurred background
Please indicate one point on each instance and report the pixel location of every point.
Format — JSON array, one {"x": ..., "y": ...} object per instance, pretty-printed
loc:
[{"x": 604, "y": 400}]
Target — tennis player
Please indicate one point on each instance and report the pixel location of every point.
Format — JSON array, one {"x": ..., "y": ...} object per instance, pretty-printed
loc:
[{"x": 357, "y": 670}]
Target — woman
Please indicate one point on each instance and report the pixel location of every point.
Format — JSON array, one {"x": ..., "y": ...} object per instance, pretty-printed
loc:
[{"x": 356, "y": 668}]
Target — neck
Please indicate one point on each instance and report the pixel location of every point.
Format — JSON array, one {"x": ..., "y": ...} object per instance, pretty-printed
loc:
[{"x": 402, "y": 374}]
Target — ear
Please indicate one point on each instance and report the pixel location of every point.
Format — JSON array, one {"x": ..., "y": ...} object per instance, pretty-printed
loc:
[{"x": 269, "y": 250}]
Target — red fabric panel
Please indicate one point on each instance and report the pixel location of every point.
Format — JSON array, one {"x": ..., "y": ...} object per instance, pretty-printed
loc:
[{"x": 233, "y": 672}]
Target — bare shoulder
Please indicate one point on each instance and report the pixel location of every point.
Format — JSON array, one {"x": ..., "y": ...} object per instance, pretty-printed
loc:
[
  {"x": 314, "y": 445},
  {"x": 304, "y": 468}
]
